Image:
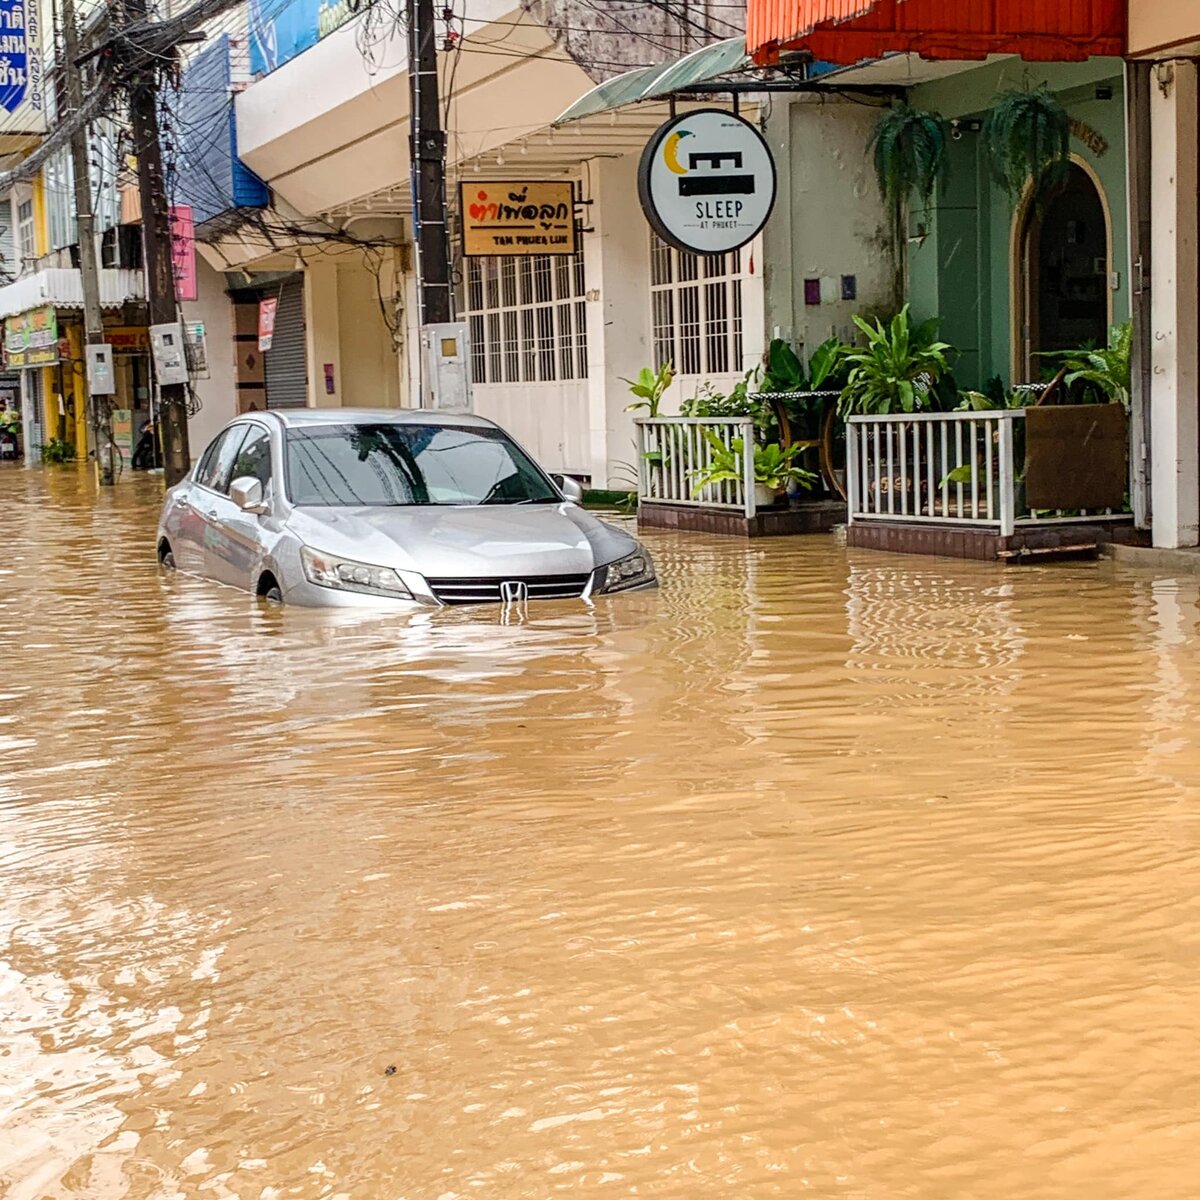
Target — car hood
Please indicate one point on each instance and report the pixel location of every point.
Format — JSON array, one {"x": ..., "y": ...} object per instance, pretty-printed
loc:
[{"x": 448, "y": 542}]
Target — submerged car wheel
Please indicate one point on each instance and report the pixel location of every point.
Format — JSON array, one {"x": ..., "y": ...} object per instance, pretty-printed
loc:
[
  {"x": 269, "y": 589},
  {"x": 166, "y": 556}
]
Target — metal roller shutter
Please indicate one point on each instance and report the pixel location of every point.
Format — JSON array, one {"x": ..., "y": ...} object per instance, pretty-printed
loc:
[{"x": 286, "y": 361}]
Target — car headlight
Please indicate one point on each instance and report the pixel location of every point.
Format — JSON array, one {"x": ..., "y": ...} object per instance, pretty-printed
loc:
[
  {"x": 326, "y": 570},
  {"x": 633, "y": 570}
]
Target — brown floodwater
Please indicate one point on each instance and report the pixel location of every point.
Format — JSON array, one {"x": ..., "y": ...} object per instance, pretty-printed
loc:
[{"x": 812, "y": 873}]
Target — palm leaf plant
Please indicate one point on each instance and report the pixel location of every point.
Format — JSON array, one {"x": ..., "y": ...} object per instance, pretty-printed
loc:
[
  {"x": 909, "y": 150},
  {"x": 1108, "y": 369},
  {"x": 897, "y": 369},
  {"x": 774, "y": 467},
  {"x": 1027, "y": 136}
]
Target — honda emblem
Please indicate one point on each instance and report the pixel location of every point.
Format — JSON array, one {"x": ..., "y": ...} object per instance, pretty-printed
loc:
[{"x": 514, "y": 591}]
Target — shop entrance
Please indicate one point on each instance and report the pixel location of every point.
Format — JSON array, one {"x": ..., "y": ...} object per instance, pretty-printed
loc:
[{"x": 1065, "y": 273}]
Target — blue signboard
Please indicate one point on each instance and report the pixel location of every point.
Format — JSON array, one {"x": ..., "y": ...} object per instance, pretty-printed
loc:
[
  {"x": 20, "y": 57},
  {"x": 280, "y": 32}
]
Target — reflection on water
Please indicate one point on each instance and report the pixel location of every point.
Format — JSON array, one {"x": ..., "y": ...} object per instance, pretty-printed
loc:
[{"x": 806, "y": 875}]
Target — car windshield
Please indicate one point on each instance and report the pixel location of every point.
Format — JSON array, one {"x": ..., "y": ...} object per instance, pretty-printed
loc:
[{"x": 393, "y": 464}]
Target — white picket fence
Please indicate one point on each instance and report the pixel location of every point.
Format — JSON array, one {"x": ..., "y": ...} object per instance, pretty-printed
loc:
[
  {"x": 954, "y": 468},
  {"x": 672, "y": 449}
]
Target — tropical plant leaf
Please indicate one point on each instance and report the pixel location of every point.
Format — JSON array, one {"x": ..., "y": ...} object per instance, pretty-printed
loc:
[{"x": 1027, "y": 138}]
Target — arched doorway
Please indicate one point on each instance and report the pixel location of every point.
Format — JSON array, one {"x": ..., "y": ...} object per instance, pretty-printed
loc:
[{"x": 1064, "y": 260}]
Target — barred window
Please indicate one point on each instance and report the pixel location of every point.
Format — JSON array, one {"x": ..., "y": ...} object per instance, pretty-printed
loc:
[
  {"x": 527, "y": 318},
  {"x": 696, "y": 309}
]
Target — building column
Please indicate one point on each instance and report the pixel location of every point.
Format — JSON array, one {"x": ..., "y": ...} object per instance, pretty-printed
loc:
[
  {"x": 617, "y": 274},
  {"x": 1175, "y": 294},
  {"x": 322, "y": 334}
]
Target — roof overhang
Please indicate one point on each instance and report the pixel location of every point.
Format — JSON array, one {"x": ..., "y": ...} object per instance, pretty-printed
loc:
[
  {"x": 853, "y": 31},
  {"x": 62, "y": 287},
  {"x": 666, "y": 79}
]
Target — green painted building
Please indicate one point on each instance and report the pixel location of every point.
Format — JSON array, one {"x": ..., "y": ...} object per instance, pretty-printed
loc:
[{"x": 1009, "y": 279}]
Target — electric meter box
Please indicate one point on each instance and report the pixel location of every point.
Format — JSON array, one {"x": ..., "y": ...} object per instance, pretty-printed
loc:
[
  {"x": 167, "y": 344},
  {"x": 446, "y": 349},
  {"x": 100, "y": 370}
]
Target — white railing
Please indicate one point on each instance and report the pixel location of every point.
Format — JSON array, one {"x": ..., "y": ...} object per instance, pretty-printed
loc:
[
  {"x": 956, "y": 468},
  {"x": 944, "y": 468},
  {"x": 671, "y": 450}
]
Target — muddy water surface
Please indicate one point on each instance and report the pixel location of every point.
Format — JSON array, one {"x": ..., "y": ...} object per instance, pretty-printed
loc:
[{"x": 810, "y": 874}]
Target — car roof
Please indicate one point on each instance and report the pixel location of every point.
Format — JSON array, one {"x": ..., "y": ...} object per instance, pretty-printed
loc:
[{"x": 307, "y": 418}]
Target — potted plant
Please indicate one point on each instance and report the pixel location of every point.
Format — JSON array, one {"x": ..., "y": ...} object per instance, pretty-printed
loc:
[
  {"x": 909, "y": 149},
  {"x": 1107, "y": 371},
  {"x": 1027, "y": 137},
  {"x": 898, "y": 368},
  {"x": 774, "y": 468},
  {"x": 649, "y": 388}
]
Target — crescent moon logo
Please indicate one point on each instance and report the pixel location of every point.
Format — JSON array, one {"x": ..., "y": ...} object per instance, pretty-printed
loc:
[{"x": 671, "y": 152}]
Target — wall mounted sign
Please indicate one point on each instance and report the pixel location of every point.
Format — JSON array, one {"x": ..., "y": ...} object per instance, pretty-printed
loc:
[
  {"x": 707, "y": 181},
  {"x": 281, "y": 31},
  {"x": 1097, "y": 143},
  {"x": 517, "y": 218},
  {"x": 128, "y": 339},
  {"x": 21, "y": 67},
  {"x": 183, "y": 251},
  {"x": 266, "y": 322},
  {"x": 31, "y": 338}
]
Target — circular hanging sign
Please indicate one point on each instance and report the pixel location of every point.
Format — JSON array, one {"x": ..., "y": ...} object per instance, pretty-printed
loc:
[{"x": 707, "y": 181}]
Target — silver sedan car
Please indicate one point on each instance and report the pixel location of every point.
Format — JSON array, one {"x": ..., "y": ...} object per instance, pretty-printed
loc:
[{"x": 351, "y": 507}]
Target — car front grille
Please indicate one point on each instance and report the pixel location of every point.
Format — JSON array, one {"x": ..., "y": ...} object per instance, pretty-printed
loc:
[{"x": 487, "y": 591}]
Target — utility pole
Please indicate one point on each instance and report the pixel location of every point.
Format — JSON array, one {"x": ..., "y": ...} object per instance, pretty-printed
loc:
[
  {"x": 156, "y": 240},
  {"x": 427, "y": 145},
  {"x": 99, "y": 407}
]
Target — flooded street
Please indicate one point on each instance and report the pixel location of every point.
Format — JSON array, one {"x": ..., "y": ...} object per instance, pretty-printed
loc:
[{"x": 808, "y": 874}]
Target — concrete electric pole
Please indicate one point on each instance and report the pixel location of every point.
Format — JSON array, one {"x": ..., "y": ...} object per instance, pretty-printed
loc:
[
  {"x": 99, "y": 407},
  {"x": 156, "y": 238},
  {"x": 427, "y": 143}
]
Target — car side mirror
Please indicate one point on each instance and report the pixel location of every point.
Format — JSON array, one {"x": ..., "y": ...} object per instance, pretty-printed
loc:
[
  {"x": 247, "y": 494},
  {"x": 571, "y": 489}
]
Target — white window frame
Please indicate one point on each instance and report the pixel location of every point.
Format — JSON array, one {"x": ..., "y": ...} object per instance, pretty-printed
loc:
[
  {"x": 527, "y": 318},
  {"x": 697, "y": 306},
  {"x": 26, "y": 228}
]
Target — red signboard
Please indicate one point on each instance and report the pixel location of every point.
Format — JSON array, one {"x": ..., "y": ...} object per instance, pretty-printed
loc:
[
  {"x": 183, "y": 252},
  {"x": 266, "y": 322},
  {"x": 851, "y": 31}
]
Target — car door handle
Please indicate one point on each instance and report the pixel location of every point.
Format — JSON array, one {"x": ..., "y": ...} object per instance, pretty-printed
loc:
[{"x": 212, "y": 512}]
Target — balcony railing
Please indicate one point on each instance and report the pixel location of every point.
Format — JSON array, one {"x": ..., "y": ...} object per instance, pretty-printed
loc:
[
  {"x": 956, "y": 468},
  {"x": 672, "y": 451}
]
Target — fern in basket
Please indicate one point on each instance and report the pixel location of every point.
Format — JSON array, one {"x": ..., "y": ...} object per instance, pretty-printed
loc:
[
  {"x": 1027, "y": 136},
  {"x": 909, "y": 149}
]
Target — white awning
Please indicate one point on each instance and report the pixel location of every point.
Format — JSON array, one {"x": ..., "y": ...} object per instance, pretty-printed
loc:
[{"x": 62, "y": 287}]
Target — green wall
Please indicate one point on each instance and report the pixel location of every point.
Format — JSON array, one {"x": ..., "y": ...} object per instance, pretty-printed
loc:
[{"x": 960, "y": 270}]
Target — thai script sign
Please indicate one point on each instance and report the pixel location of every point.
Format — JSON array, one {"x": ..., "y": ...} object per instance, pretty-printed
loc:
[
  {"x": 706, "y": 181},
  {"x": 21, "y": 66},
  {"x": 517, "y": 218},
  {"x": 183, "y": 252},
  {"x": 280, "y": 32},
  {"x": 128, "y": 339},
  {"x": 31, "y": 338}
]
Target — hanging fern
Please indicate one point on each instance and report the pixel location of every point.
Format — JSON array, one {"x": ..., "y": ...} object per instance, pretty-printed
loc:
[
  {"x": 910, "y": 154},
  {"x": 1027, "y": 136},
  {"x": 909, "y": 148}
]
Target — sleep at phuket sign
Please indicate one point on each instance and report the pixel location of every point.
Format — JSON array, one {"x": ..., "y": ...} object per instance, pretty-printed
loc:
[
  {"x": 707, "y": 181},
  {"x": 280, "y": 32}
]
